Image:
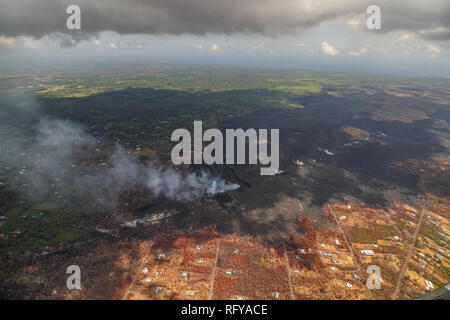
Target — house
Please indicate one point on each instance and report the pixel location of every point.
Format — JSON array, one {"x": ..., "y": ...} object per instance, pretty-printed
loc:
[
  {"x": 429, "y": 285},
  {"x": 299, "y": 163},
  {"x": 367, "y": 252}
]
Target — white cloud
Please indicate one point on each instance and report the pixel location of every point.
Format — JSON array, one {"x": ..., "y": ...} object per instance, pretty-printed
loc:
[
  {"x": 359, "y": 52},
  {"x": 431, "y": 48},
  {"x": 113, "y": 45},
  {"x": 299, "y": 44},
  {"x": 29, "y": 43},
  {"x": 328, "y": 49},
  {"x": 6, "y": 42},
  {"x": 98, "y": 43},
  {"x": 354, "y": 23},
  {"x": 406, "y": 38},
  {"x": 215, "y": 47},
  {"x": 257, "y": 47}
]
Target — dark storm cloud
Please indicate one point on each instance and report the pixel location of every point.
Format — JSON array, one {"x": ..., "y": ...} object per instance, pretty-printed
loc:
[
  {"x": 270, "y": 17},
  {"x": 430, "y": 18}
]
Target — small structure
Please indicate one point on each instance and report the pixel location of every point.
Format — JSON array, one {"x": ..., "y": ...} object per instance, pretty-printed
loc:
[
  {"x": 185, "y": 275},
  {"x": 429, "y": 285},
  {"x": 299, "y": 163},
  {"x": 367, "y": 252},
  {"x": 326, "y": 151}
]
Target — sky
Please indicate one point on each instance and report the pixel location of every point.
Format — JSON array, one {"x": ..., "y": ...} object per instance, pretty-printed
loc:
[{"x": 328, "y": 35}]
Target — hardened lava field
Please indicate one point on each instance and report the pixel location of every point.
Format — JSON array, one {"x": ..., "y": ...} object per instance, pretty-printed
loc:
[{"x": 364, "y": 181}]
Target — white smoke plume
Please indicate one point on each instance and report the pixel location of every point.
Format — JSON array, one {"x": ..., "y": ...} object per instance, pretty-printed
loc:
[{"x": 64, "y": 162}]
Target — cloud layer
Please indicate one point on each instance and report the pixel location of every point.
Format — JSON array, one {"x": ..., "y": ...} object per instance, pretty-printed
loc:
[{"x": 430, "y": 18}]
